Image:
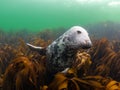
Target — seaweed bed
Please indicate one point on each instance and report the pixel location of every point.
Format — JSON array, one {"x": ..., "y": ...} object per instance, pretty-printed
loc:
[{"x": 23, "y": 69}]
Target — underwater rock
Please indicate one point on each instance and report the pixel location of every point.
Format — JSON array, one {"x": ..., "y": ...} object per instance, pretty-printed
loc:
[{"x": 61, "y": 52}]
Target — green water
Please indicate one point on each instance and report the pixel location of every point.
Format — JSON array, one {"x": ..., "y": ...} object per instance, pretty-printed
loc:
[{"x": 41, "y": 14}]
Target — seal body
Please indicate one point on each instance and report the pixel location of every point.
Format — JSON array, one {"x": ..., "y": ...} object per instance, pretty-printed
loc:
[{"x": 61, "y": 52}]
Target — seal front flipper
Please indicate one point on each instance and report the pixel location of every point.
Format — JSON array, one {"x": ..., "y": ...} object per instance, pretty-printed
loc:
[{"x": 40, "y": 50}]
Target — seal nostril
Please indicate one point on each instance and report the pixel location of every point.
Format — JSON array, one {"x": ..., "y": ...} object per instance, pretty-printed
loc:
[
  {"x": 86, "y": 41},
  {"x": 87, "y": 46}
]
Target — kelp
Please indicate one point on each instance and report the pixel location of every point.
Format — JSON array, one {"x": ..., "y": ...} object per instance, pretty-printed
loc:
[
  {"x": 24, "y": 69},
  {"x": 7, "y": 53},
  {"x": 23, "y": 74},
  {"x": 105, "y": 59},
  {"x": 70, "y": 79},
  {"x": 62, "y": 81},
  {"x": 116, "y": 45},
  {"x": 18, "y": 72},
  {"x": 1, "y": 82},
  {"x": 82, "y": 63},
  {"x": 13, "y": 55}
]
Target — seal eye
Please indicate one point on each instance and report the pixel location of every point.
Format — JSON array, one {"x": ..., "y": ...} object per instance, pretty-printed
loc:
[{"x": 78, "y": 32}]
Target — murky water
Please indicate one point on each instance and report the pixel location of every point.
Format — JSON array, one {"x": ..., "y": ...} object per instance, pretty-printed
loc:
[{"x": 36, "y": 15}]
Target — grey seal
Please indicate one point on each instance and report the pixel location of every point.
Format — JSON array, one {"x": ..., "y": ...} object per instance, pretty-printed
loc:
[{"x": 61, "y": 52}]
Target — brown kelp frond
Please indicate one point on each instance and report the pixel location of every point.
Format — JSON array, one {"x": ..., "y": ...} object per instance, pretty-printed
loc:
[
  {"x": 105, "y": 59},
  {"x": 1, "y": 82},
  {"x": 82, "y": 63},
  {"x": 108, "y": 83},
  {"x": 116, "y": 45},
  {"x": 99, "y": 50},
  {"x": 62, "y": 81},
  {"x": 22, "y": 49},
  {"x": 59, "y": 82},
  {"x": 21, "y": 75},
  {"x": 113, "y": 85},
  {"x": 18, "y": 71},
  {"x": 82, "y": 59},
  {"x": 40, "y": 70},
  {"x": 7, "y": 53}
]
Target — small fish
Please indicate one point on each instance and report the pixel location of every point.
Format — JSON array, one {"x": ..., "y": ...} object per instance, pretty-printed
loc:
[{"x": 61, "y": 52}]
